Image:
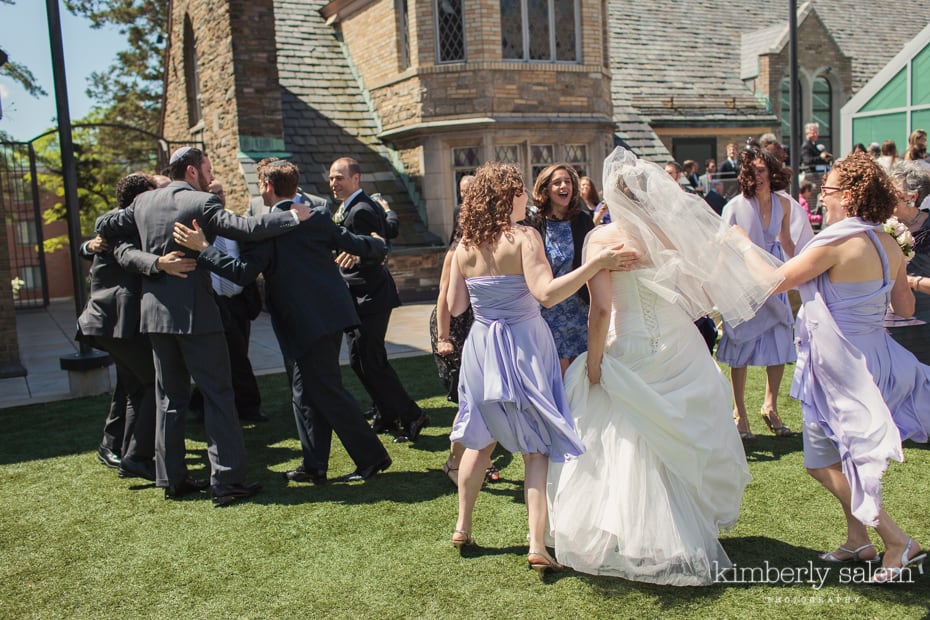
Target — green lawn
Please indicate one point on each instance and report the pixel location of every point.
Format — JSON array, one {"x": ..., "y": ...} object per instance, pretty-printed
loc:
[{"x": 76, "y": 541}]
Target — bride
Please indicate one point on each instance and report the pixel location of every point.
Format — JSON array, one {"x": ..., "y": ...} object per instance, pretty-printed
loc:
[{"x": 664, "y": 468}]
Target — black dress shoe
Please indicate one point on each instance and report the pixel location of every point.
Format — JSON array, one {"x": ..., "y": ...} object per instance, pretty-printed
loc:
[
  {"x": 186, "y": 487},
  {"x": 366, "y": 472},
  {"x": 108, "y": 457},
  {"x": 414, "y": 428},
  {"x": 258, "y": 416},
  {"x": 132, "y": 468},
  {"x": 302, "y": 474},
  {"x": 228, "y": 493},
  {"x": 380, "y": 425}
]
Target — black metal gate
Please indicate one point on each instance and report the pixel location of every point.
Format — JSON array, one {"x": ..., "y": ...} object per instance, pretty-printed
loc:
[{"x": 22, "y": 224}]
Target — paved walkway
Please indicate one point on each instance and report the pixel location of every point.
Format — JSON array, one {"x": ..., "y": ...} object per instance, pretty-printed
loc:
[{"x": 46, "y": 335}]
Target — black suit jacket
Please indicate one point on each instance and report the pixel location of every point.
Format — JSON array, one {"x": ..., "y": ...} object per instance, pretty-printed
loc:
[
  {"x": 728, "y": 169},
  {"x": 305, "y": 293},
  {"x": 370, "y": 282},
  {"x": 810, "y": 156}
]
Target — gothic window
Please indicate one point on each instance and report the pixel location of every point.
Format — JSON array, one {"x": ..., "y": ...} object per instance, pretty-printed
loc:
[
  {"x": 464, "y": 161},
  {"x": 509, "y": 153},
  {"x": 541, "y": 156},
  {"x": 450, "y": 31},
  {"x": 403, "y": 34},
  {"x": 191, "y": 78},
  {"x": 539, "y": 30},
  {"x": 785, "y": 108},
  {"x": 577, "y": 156},
  {"x": 822, "y": 111}
]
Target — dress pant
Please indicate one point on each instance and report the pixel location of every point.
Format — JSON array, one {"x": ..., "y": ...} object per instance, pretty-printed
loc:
[
  {"x": 237, "y": 328},
  {"x": 322, "y": 405},
  {"x": 178, "y": 357},
  {"x": 135, "y": 382},
  {"x": 369, "y": 360},
  {"x": 115, "y": 425}
]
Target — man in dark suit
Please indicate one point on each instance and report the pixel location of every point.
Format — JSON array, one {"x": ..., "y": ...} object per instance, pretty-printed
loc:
[
  {"x": 310, "y": 309},
  {"x": 729, "y": 168},
  {"x": 375, "y": 296},
  {"x": 110, "y": 322},
  {"x": 184, "y": 326},
  {"x": 813, "y": 156}
]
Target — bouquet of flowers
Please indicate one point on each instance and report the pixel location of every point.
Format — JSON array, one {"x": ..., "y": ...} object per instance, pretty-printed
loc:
[{"x": 902, "y": 235}]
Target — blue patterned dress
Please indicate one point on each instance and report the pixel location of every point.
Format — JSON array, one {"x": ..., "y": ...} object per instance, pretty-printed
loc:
[{"x": 569, "y": 319}]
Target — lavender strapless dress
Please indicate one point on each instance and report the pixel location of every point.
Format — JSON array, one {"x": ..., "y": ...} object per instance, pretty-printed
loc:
[{"x": 510, "y": 387}]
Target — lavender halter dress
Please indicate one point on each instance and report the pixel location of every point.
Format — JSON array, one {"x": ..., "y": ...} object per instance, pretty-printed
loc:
[
  {"x": 510, "y": 386},
  {"x": 865, "y": 390},
  {"x": 767, "y": 339}
]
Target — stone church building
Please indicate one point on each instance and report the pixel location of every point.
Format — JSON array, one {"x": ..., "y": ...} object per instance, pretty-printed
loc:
[{"x": 423, "y": 92}]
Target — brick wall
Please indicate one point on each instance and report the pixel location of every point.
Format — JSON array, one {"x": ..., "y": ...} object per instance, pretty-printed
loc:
[{"x": 416, "y": 272}]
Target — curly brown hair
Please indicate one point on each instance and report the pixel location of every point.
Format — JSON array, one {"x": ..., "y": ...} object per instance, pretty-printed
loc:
[
  {"x": 541, "y": 191},
  {"x": 873, "y": 195},
  {"x": 488, "y": 203},
  {"x": 779, "y": 176}
]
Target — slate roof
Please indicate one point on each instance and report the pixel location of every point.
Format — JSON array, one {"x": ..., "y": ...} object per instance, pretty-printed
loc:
[{"x": 692, "y": 50}]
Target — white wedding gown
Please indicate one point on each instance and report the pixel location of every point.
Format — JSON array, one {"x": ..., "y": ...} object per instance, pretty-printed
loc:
[{"x": 664, "y": 468}]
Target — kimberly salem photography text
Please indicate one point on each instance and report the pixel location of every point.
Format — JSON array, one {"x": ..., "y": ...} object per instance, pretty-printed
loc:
[{"x": 815, "y": 576}]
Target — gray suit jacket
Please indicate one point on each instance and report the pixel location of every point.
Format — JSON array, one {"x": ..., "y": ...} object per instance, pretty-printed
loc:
[{"x": 184, "y": 305}]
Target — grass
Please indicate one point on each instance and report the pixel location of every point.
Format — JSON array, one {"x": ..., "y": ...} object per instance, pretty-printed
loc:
[{"x": 76, "y": 541}]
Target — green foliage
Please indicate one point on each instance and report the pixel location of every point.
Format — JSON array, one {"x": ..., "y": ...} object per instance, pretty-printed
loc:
[
  {"x": 130, "y": 90},
  {"x": 21, "y": 74},
  {"x": 78, "y": 542}
]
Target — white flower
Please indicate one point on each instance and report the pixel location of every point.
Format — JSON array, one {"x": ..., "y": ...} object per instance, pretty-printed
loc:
[{"x": 901, "y": 235}]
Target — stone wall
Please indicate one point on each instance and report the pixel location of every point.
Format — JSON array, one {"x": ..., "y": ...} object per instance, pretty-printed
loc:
[
  {"x": 416, "y": 272},
  {"x": 237, "y": 70}
]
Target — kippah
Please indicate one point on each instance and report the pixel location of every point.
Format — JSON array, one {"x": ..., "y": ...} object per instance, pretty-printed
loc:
[{"x": 178, "y": 154}]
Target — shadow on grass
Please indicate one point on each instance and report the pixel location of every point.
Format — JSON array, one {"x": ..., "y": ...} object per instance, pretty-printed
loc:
[{"x": 770, "y": 448}]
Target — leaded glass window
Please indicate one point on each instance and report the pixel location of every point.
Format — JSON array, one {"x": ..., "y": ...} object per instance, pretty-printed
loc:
[
  {"x": 577, "y": 156},
  {"x": 450, "y": 29},
  {"x": 464, "y": 161},
  {"x": 541, "y": 156},
  {"x": 509, "y": 153},
  {"x": 539, "y": 30}
]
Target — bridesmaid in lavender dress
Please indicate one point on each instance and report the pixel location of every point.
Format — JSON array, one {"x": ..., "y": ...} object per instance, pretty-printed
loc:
[
  {"x": 861, "y": 393},
  {"x": 768, "y": 339},
  {"x": 510, "y": 390}
]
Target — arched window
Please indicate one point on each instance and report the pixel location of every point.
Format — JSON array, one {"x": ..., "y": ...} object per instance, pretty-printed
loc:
[
  {"x": 822, "y": 111},
  {"x": 191, "y": 79},
  {"x": 784, "y": 112}
]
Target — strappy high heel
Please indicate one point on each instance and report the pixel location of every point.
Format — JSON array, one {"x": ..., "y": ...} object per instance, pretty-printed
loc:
[
  {"x": 743, "y": 435},
  {"x": 542, "y": 564},
  {"x": 492, "y": 473},
  {"x": 855, "y": 555},
  {"x": 778, "y": 431},
  {"x": 892, "y": 574},
  {"x": 447, "y": 470},
  {"x": 464, "y": 541}
]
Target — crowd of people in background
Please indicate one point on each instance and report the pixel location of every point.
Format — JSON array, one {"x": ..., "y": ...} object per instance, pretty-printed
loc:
[{"x": 552, "y": 331}]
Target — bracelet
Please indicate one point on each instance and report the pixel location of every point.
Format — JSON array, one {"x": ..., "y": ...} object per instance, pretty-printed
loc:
[{"x": 440, "y": 339}]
